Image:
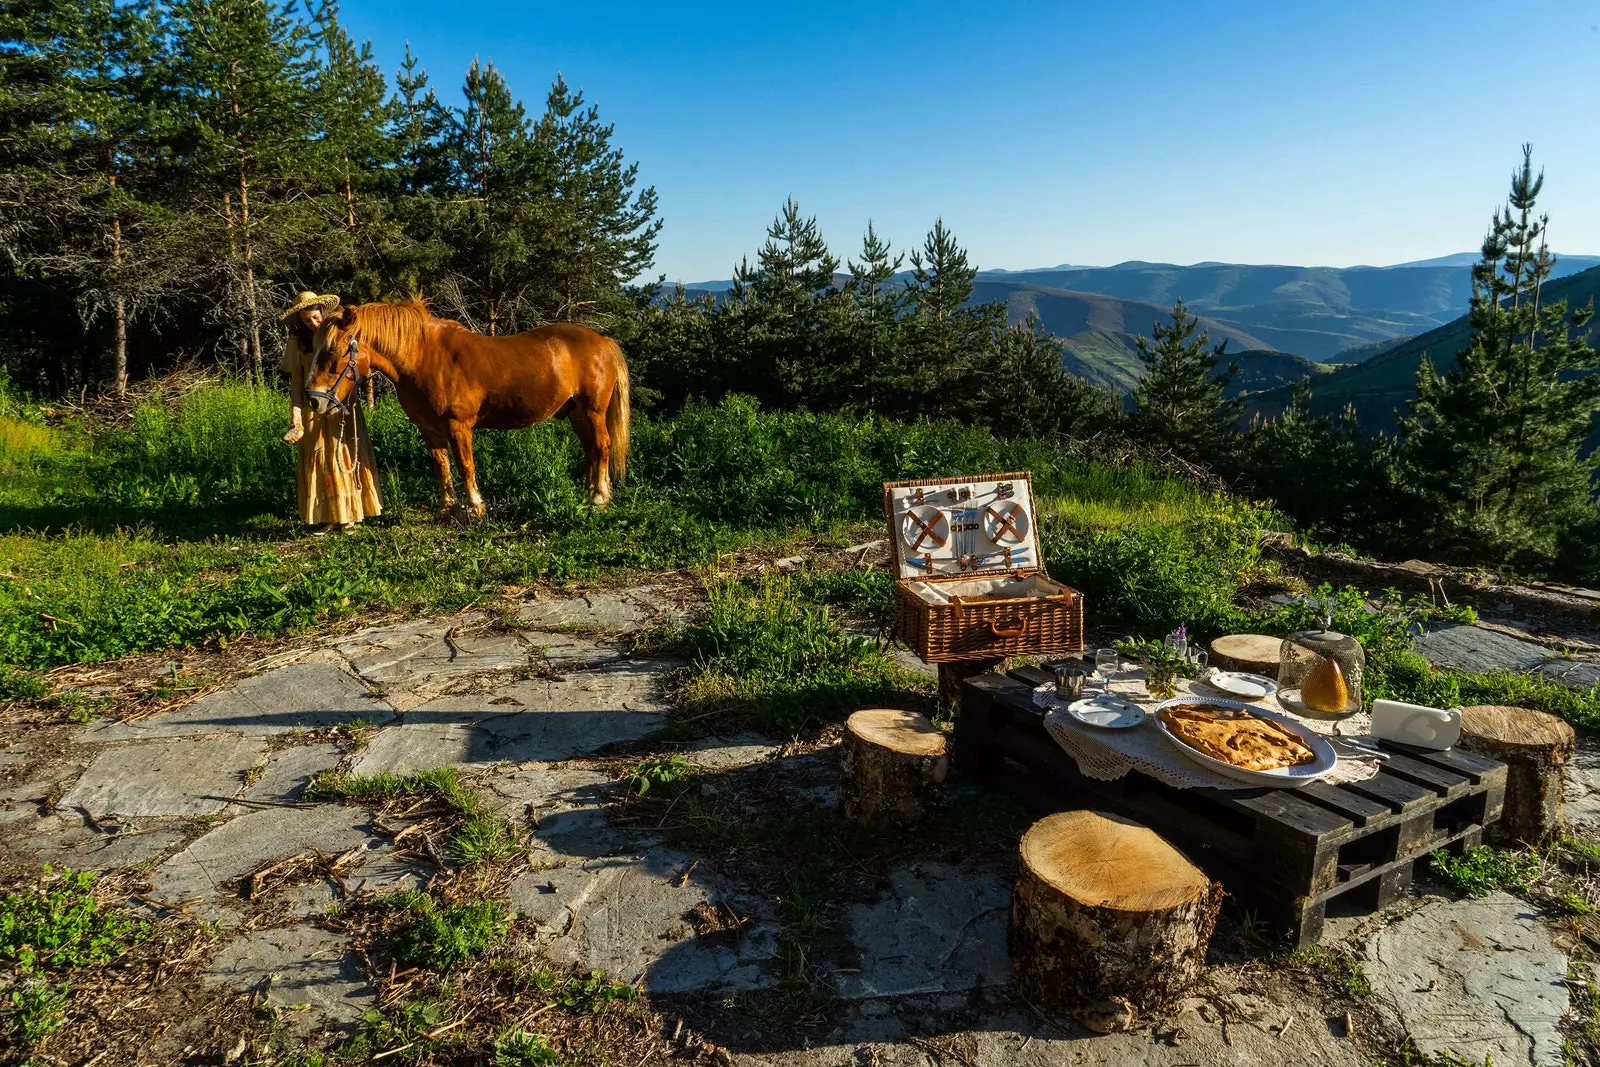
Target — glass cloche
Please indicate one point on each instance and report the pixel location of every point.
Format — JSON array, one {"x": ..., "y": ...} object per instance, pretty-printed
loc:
[{"x": 1320, "y": 673}]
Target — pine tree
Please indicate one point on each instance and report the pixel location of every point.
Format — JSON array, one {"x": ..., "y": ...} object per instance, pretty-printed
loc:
[
  {"x": 245, "y": 71},
  {"x": 878, "y": 305},
  {"x": 1179, "y": 402},
  {"x": 1491, "y": 450},
  {"x": 496, "y": 218},
  {"x": 602, "y": 233},
  {"x": 81, "y": 133},
  {"x": 1023, "y": 390},
  {"x": 786, "y": 307},
  {"x": 946, "y": 338}
]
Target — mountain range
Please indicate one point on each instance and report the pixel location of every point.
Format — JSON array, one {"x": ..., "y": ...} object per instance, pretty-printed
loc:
[{"x": 1266, "y": 312}]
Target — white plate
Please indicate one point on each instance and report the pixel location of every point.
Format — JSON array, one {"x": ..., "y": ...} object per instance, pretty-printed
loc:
[
  {"x": 1283, "y": 777},
  {"x": 1241, "y": 685},
  {"x": 1107, "y": 711}
]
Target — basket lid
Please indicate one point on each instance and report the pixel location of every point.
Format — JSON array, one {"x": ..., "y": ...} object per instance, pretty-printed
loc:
[{"x": 948, "y": 527}]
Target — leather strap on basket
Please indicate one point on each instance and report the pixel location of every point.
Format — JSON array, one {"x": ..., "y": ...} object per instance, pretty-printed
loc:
[{"x": 1018, "y": 627}]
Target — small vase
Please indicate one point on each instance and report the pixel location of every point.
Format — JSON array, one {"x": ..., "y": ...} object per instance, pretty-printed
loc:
[{"x": 1162, "y": 682}]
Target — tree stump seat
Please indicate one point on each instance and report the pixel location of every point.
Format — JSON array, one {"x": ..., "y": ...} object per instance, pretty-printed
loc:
[
  {"x": 1535, "y": 747},
  {"x": 894, "y": 766},
  {"x": 1250, "y": 653},
  {"x": 1109, "y": 922}
]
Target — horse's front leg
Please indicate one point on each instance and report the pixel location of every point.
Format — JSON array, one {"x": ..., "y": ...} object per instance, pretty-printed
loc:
[
  {"x": 441, "y": 467},
  {"x": 461, "y": 439}
]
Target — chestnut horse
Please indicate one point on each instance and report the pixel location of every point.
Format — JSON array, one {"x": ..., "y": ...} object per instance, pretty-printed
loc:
[{"x": 451, "y": 381}]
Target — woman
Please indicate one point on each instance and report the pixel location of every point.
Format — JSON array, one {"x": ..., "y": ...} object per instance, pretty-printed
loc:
[{"x": 338, "y": 480}]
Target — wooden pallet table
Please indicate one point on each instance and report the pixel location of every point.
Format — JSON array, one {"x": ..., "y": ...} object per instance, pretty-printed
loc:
[{"x": 1285, "y": 854}]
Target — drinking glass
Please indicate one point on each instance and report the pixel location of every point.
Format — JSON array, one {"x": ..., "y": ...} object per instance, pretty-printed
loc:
[
  {"x": 1198, "y": 657},
  {"x": 1107, "y": 662}
]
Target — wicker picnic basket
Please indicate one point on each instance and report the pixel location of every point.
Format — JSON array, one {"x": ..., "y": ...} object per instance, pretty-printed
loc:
[{"x": 969, "y": 583}]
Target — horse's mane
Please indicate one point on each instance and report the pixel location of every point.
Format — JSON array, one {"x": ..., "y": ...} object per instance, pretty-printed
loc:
[{"x": 398, "y": 327}]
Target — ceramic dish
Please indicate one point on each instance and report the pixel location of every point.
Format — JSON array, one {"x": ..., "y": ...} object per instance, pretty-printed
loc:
[
  {"x": 1241, "y": 685},
  {"x": 1284, "y": 777},
  {"x": 1107, "y": 711}
]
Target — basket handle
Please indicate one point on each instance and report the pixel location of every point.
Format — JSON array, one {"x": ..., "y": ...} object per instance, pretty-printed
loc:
[{"x": 1018, "y": 627}]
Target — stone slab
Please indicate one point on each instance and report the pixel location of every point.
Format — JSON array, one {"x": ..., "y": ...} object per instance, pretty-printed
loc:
[
  {"x": 64, "y": 839},
  {"x": 432, "y": 666},
  {"x": 289, "y": 769},
  {"x": 301, "y": 696},
  {"x": 627, "y": 917},
  {"x": 414, "y": 747},
  {"x": 558, "y": 718},
  {"x": 205, "y": 871},
  {"x": 939, "y": 930},
  {"x": 1582, "y": 800},
  {"x": 376, "y": 647},
  {"x": 309, "y": 973},
  {"x": 730, "y": 753},
  {"x": 1479, "y": 978},
  {"x": 558, "y": 653},
  {"x": 1472, "y": 648},
  {"x": 183, "y": 776},
  {"x": 602, "y": 611},
  {"x": 20, "y": 802},
  {"x": 1576, "y": 674},
  {"x": 563, "y": 806}
]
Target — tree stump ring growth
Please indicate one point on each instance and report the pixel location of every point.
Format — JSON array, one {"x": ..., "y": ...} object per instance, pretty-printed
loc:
[
  {"x": 1109, "y": 922},
  {"x": 1250, "y": 653},
  {"x": 894, "y": 766},
  {"x": 1535, "y": 747}
]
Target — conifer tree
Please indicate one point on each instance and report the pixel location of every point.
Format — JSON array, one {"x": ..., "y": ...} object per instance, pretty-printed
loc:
[
  {"x": 82, "y": 126},
  {"x": 244, "y": 69},
  {"x": 496, "y": 217},
  {"x": 1022, "y": 389},
  {"x": 878, "y": 304},
  {"x": 602, "y": 233},
  {"x": 1491, "y": 449},
  {"x": 1179, "y": 402},
  {"x": 783, "y": 302},
  {"x": 947, "y": 339}
]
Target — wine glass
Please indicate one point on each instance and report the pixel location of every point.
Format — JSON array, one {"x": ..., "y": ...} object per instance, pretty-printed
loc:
[{"x": 1106, "y": 662}]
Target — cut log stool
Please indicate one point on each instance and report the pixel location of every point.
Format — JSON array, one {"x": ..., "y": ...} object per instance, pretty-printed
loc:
[
  {"x": 1108, "y": 922},
  {"x": 894, "y": 766},
  {"x": 1250, "y": 653},
  {"x": 1535, "y": 748}
]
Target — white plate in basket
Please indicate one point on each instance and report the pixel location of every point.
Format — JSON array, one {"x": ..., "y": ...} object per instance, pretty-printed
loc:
[
  {"x": 1284, "y": 777},
  {"x": 1107, "y": 711},
  {"x": 1241, "y": 685}
]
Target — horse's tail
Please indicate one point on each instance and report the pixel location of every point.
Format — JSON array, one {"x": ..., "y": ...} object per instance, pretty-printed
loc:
[{"x": 617, "y": 419}]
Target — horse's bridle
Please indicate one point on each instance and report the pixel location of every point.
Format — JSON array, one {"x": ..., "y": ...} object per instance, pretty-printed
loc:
[{"x": 350, "y": 370}]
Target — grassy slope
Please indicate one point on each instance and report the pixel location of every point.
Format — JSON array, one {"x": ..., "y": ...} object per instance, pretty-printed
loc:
[
  {"x": 1381, "y": 385},
  {"x": 1266, "y": 370}
]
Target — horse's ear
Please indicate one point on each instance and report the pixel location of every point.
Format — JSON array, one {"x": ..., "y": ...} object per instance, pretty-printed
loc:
[{"x": 346, "y": 315}]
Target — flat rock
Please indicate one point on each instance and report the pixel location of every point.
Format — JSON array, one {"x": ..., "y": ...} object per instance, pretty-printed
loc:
[
  {"x": 289, "y": 769},
  {"x": 431, "y": 664},
  {"x": 1477, "y": 978},
  {"x": 557, "y": 653},
  {"x": 414, "y": 747},
  {"x": 628, "y": 918},
  {"x": 64, "y": 839},
  {"x": 602, "y": 611},
  {"x": 184, "y": 776},
  {"x": 564, "y": 807},
  {"x": 1577, "y": 674},
  {"x": 1582, "y": 807},
  {"x": 555, "y": 718},
  {"x": 301, "y": 696},
  {"x": 297, "y": 965},
  {"x": 20, "y": 802},
  {"x": 1472, "y": 648},
  {"x": 940, "y": 929},
  {"x": 205, "y": 871},
  {"x": 730, "y": 753},
  {"x": 377, "y": 647}
]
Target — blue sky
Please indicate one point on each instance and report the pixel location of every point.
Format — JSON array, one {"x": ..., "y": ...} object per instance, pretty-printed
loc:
[{"x": 1372, "y": 132}]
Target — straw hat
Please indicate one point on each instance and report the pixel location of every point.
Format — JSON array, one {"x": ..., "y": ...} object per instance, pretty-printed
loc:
[{"x": 308, "y": 299}]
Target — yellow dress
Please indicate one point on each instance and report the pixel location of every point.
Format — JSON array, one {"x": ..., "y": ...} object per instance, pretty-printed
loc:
[{"x": 336, "y": 484}]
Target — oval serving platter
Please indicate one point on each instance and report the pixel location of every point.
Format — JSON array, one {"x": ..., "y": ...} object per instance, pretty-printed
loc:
[{"x": 1283, "y": 777}]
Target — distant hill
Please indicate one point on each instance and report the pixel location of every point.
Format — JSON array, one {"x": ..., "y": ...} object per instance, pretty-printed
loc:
[
  {"x": 1326, "y": 315},
  {"x": 1380, "y": 386},
  {"x": 1262, "y": 370}
]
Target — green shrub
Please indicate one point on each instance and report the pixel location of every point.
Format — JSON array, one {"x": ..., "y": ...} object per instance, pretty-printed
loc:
[
  {"x": 659, "y": 771},
  {"x": 1479, "y": 871},
  {"x": 439, "y": 937},
  {"x": 781, "y": 659},
  {"x": 59, "y": 926},
  {"x": 518, "y": 1048},
  {"x": 21, "y": 685}
]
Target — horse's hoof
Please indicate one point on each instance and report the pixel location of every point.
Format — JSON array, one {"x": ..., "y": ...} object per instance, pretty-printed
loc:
[{"x": 600, "y": 500}]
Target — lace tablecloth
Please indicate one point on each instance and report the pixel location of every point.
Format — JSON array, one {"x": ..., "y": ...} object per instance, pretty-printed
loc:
[{"x": 1107, "y": 755}]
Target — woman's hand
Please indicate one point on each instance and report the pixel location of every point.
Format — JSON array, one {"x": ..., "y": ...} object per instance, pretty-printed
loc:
[{"x": 294, "y": 434}]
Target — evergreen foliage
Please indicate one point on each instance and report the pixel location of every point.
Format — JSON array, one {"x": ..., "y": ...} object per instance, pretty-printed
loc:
[
  {"x": 1491, "y": 451},
  {"x": 1179, "y": 402}
]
